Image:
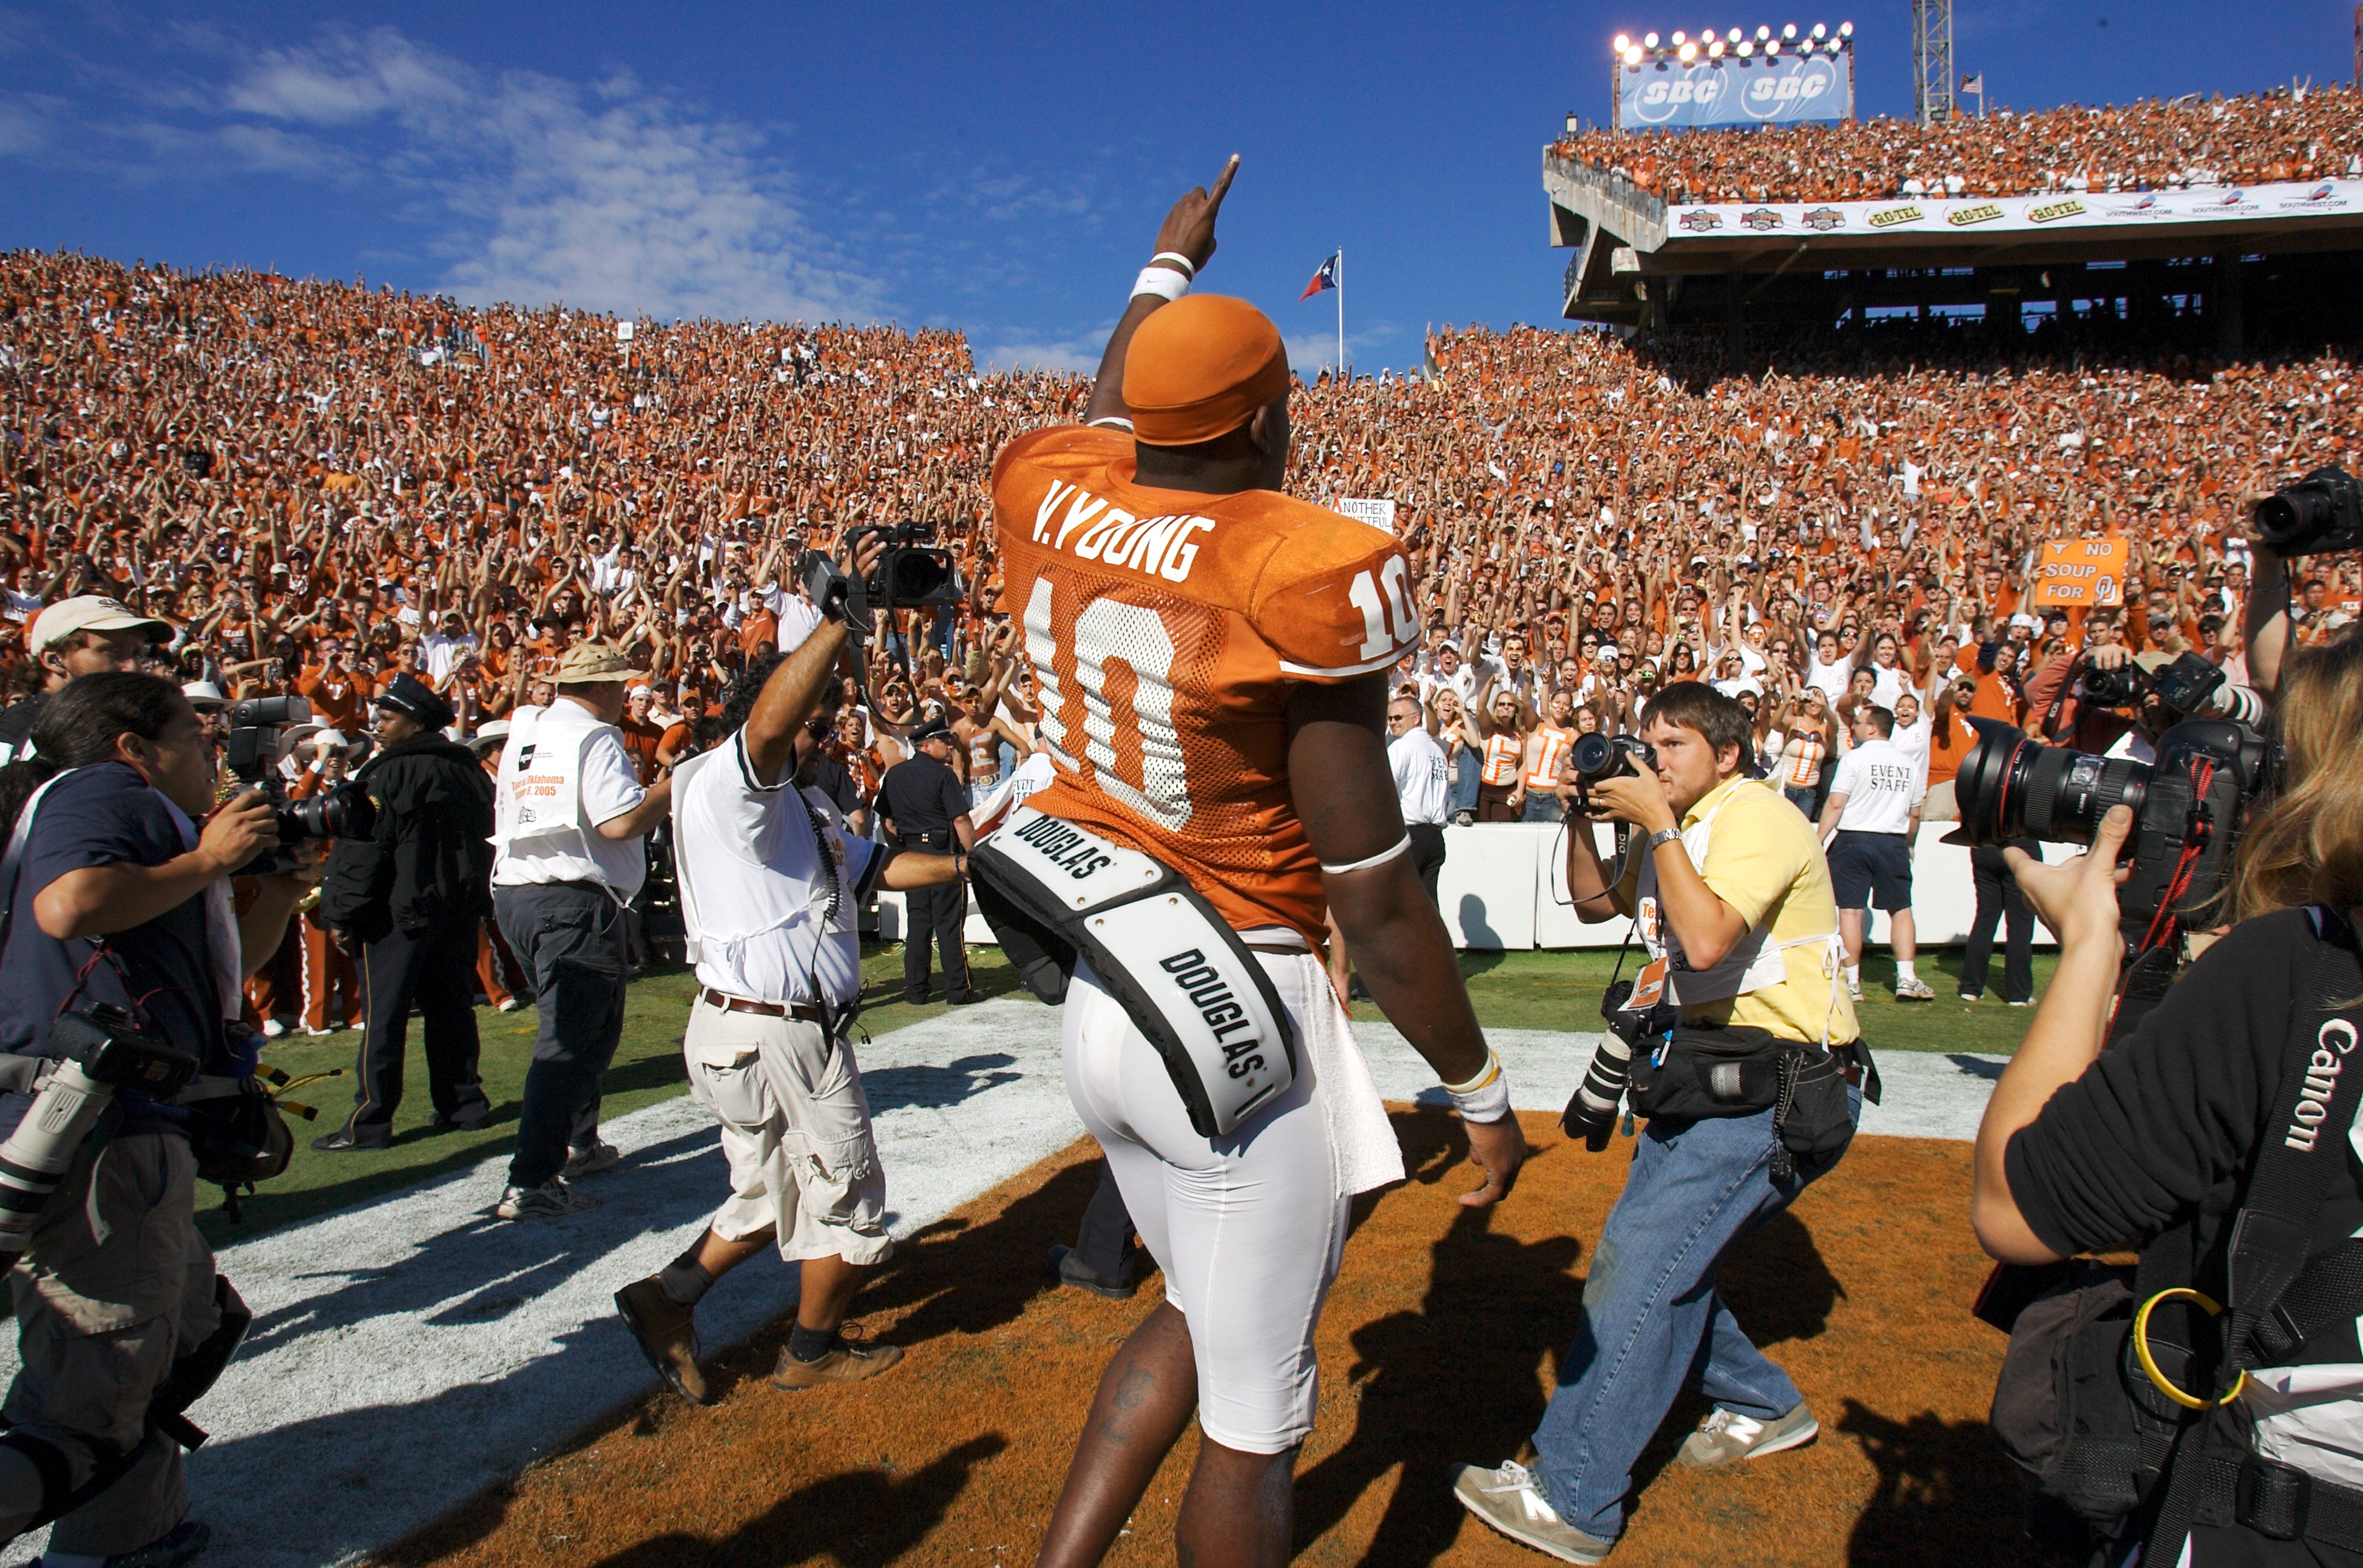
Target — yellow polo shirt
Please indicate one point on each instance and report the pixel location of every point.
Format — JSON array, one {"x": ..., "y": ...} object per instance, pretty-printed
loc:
[{"x": 1765, "y": 861}]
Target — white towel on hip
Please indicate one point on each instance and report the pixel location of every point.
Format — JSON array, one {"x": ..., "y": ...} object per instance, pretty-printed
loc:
[{"x": 1361, "y": 1139}]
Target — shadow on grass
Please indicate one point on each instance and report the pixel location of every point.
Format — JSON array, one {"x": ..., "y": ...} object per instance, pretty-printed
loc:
[
  {"x": 853, "y": 1519},
  {"x": 1945, "y": 1496},
  {"x": 952, "y": 1277},
  {"x": 1455, "y": 1383},
  {"x": 1451, "y": 1384}
]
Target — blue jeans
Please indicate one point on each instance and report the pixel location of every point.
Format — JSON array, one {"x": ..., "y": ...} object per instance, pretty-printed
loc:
[
  {"x": 1542, "y": 805},
  {"x": 1651, "y": 1316},
  {"x": 1464, "y": 783}
]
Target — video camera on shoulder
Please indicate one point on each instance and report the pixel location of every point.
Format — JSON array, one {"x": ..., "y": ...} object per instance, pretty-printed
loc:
[
  {"x": 912, "y": 572},
  {"x": 2319, "y": 515},
  {"x": 1594, "y": 757},
  {"x": 341, "y": 811}
]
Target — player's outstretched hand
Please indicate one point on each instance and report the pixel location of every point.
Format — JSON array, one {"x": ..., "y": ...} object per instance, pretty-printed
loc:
[
  {"x": 1499, "y": 1148},
  {"x": 1189, "y": 229}
]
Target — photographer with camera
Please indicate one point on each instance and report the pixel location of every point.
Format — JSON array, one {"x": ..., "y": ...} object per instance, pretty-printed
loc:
[
  {"x": 412, "y": 890},
  {"x": 1740, "y": 1044},
  {"x": 2219, "y": 1133},
  {"x": 121, "y": 943}
]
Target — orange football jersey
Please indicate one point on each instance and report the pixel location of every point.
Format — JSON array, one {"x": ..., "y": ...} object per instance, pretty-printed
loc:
[{"x": 1165, "y": 629}]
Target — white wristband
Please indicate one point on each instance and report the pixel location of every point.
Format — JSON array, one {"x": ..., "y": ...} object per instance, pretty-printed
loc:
[
  {"x": 1189, "y": 269},
  {"x": 1163, "y": 281},
  {"x": 1491, "y": 1103}
]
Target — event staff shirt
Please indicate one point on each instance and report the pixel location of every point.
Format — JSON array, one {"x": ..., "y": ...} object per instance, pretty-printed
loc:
[
  {"x": 1882, "y": 786},
  {"x": 1417, "y": 762},
  {"x": 607, "y": 787}
]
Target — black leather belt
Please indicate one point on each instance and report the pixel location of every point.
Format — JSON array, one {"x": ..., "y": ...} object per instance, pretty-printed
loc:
[{"x": 804, "y": 1012}]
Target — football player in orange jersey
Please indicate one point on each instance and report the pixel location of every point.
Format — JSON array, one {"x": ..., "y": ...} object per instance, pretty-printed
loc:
[{"x": 1211, "y": 659}]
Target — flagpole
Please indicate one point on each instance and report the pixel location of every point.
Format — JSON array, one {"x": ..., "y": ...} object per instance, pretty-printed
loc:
[{"x": 1341, "y": 311}]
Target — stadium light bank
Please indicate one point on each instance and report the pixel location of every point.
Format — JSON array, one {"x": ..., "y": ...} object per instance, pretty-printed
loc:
[{"x": 1686, "y": 81}]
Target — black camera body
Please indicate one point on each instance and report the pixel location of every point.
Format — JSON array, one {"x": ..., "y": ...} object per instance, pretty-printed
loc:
[
  {"x": 2184, "y": 685},
  {"x": 2187, "y": 806},
  {"x": 251, "y": 749},
  {"x": 106, "y": 1042},
  {"x": 2319, "y": 513},
  {"x": 1595, "y": 756}
]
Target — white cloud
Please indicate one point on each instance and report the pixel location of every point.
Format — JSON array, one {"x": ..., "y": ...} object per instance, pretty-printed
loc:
[
  {"x": 1309, "y": 354},
  {"x": 1079, "y": 355},
  {"x": 608, "y": 197}
]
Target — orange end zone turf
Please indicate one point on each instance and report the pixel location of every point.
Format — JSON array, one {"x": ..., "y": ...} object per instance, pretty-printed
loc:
[{"x": 1437, "y": 1348}]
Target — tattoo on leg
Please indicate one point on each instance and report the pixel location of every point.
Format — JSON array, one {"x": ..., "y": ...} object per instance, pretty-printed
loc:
[{"x": 1129, "y": 1392}]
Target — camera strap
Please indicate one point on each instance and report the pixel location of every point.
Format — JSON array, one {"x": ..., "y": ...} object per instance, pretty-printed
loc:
[{"x": 13, "y": 865}]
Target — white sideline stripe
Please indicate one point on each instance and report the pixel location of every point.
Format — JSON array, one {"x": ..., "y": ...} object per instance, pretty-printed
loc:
[{"x": 411, "y": 1351}]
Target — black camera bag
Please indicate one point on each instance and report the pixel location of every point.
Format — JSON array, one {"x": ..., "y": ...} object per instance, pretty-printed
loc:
[
  {"x": 2107, "y": 1457},
  {"x": 1702, "y": 1071}
]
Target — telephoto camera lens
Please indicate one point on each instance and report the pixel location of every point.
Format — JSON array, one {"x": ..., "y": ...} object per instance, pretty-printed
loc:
[
  {"x": 344, "y": 812},
  {"x": 2009, "y": 787},
  {"x": 2319, "y": 514}
]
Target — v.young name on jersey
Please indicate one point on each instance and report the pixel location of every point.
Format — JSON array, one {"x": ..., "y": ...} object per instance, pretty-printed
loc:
[{"x": 1093, "y": 530}]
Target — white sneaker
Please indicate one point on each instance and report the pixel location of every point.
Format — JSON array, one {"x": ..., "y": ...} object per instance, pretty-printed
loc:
[
  {"x": 551, "y": 1200},
  {"x": 1854, "y": 990},
  {"x": 1508, "y": 1499},
  {"x": 581, "y": 1162},
  {"x": 273, "y": 1029},
  {"x": 1914, "y": 990},
  {"x": 1726, "y": 1436},
  {"x": 315, "y": 1034},
  {"x": 511, "y": 1004}
]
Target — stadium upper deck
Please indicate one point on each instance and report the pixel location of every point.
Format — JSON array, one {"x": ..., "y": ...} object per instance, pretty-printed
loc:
[{"x": 1816, "y": 220}]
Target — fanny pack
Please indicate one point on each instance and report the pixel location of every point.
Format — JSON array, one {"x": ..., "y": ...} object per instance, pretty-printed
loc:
[
  {"x": 1190, "y": 984},
  {"x": 1695, "y": 1071}
]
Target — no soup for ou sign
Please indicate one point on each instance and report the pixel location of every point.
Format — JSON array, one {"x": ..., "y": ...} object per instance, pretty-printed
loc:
[{"x": 2080, "y": 572}]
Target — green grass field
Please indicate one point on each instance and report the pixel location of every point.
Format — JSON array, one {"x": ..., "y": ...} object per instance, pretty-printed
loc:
[{"x": 1515, "y": 990}]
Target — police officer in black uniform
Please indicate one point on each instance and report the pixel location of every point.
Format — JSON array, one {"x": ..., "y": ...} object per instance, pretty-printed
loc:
[
  {"x": 414, "y": 895},
  {"x": 925, "y": 807}
]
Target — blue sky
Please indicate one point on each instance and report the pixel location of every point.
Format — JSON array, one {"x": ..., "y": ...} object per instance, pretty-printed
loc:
[{"x": 996, "y": 168}]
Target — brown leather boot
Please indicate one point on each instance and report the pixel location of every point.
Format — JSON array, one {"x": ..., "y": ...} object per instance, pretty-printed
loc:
[
  {"x": 667, "y": 1333},
  {"x": 848, "y": 1362}
]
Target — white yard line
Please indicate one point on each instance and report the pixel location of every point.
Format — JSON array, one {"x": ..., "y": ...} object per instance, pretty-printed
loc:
[{"x": 411, "y": 1351}]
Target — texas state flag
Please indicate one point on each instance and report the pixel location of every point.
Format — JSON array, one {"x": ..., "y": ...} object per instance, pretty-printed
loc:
[{"x": 1327, "y": 278}]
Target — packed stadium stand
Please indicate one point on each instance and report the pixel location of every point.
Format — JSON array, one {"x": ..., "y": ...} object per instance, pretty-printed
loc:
[{"x": 2245, "y": 212}]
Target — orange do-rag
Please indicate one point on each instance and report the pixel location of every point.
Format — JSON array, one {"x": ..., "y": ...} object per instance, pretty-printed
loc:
[{"x": 1199, "y": 367}]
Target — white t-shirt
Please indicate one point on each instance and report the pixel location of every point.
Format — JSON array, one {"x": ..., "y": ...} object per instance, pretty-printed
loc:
[
  {"x": 1882, "y": 786},
  {"x": 756, "y": 889},
  {"x": 1831, "y": 678},
  {"x": 1889, "y": 683},
  {"x": 1913, "y": 740},
  {"x": 1418, "y": 764},
  {"x": 442, "y": 652},
  {"x": 607, "y": 786}
]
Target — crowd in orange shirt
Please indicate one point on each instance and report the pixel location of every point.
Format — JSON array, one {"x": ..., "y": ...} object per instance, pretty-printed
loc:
[
  {"x": 321, "y": 485},
  {"x": 2290, "y": 134}
]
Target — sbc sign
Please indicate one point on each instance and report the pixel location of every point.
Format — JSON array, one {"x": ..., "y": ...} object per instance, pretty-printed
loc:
[{"x": 1731, "y": 91}]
